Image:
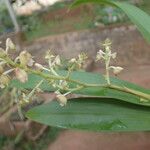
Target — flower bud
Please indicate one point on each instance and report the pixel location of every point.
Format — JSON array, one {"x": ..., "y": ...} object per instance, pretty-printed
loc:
[
  {"x": 100, "y": 54},
  {"x": 63, "y": 84},
  {"x": 82, "y": 57},
  {"x": 62, "y": 99},
  {"x": 116, "y": 70},
  {"x": 38, "y": 66},
  {"x": 26, "y": 58},
  {"x": 10, "y": 45},
  {"x": 114, "y": 55},
  {"x": 57, "y": 60},
  {"x": 49, "y": 55},
  {"x": 73, "y": 60},
  {"x": 107, "y": 43},
  {"x": 21, "y": 75},
  {"x": 4, "y": 81}
]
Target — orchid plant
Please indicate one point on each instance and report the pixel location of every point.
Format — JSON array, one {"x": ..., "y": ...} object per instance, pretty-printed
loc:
[{"x": 104, "y": 103}]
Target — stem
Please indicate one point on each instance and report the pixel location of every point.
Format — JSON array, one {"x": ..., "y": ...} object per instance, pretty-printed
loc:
[
  {"x": 107, "y": 71},
  {"x": 81, "y": 84},
  {"x": 107, "y": 62},
  {"x": 131, "y": 91},
  {"x": 33, "y": 90}
]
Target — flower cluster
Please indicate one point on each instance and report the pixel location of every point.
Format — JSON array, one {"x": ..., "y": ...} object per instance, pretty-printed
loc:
[
  {"x": 77, "y": 63},
  {"x": 24, "y": 63},
  {"x": 4, "y": 75},
  {"x": 106, "y": 56}
]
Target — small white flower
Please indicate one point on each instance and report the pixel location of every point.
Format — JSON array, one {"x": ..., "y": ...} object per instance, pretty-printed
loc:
[
  {"x": 73, "y": 60},
  {"x": 26, "y": 58},
  {"x": 57, "y": 60},
  {"x": 21, "y": 75},
  {"x": 116, "y": 70},
  {"x": 38, "y": 66},
  {"x": 100, "y": 55},
  {"x": 114, "y": 55},
  {"x": 61, "y": 98},
  {"x": 49, "y": 55},
  {"x": 107, "y": 43},
  {"x": 30, "y": 62},
  {"x": 63, "y": 84},
  {"x": 82, "y": 57},
  {"x": 10, "y": 45},
  {"x": 54, "y": 85}
]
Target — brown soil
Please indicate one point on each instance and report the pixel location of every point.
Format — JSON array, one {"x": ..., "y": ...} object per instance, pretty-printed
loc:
[
  {"x": 75, "y": 140},
  {"x": 64, "y": 13}
]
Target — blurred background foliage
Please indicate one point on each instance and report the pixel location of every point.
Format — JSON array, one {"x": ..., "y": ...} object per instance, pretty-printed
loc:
[
  {"x": 5, "y": 21},
  {"x": 23, "y": 144},
  {"x": 48, "y": 20}
]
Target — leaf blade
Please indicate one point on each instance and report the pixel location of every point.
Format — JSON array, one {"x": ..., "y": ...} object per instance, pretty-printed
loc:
[
  {"x": 91, "y": 78},
  {"x": 94, "y": 115}
]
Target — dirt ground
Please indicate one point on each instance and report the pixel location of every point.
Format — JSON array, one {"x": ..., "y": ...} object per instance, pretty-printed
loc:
[{"x": 75, "y": 140}]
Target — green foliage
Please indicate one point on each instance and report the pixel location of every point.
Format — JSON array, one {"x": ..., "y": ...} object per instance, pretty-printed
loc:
[
  {"x": 30, "y": 23},
  {"x": 24, "y": 144},
  {"x": 5, "y": 21},
  {"x": 93, "y": 114},
  {"x": 112, "y": 110},
  {"x": 109, "y": 15},
  {"x": 40, "y": 28},
  {"x": 136, "y": 15},
  {"x": 91, "y": 78}
]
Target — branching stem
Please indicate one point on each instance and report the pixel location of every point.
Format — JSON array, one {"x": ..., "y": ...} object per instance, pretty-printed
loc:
[{"x": 79, "y": 83}]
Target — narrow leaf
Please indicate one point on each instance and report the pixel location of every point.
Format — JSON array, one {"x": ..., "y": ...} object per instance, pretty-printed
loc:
[
  {"x": 93, "y": 114},
  {"x": 136, "y": 15},
  {"x": 91, "y": 78}
]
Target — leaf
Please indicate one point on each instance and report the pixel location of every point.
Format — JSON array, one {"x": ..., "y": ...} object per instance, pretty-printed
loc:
[
  {"x": 93, "y": 114},
  {"x": 91, "y": 78},
  {"x": 136, "y": 15}
]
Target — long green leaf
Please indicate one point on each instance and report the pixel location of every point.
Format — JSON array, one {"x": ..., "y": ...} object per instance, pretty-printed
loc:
[
  {"x": 136, "y": 15},
  {"x": 92, "y": 78},
  {"x": 93, "y": 114}
]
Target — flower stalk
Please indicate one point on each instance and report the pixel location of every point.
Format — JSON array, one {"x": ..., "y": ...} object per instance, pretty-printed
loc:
[{"x": 62, "y": 82}]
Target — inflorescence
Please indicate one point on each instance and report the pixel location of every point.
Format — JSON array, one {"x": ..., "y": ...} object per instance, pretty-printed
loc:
[{"x": 20, "y": 66}]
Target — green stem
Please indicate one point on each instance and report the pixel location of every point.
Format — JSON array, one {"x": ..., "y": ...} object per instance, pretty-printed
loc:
[
  {"x": 81, "y": 84},
  {"x": 131, "y": 91},
  {"x": 107, "y": 73}
]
